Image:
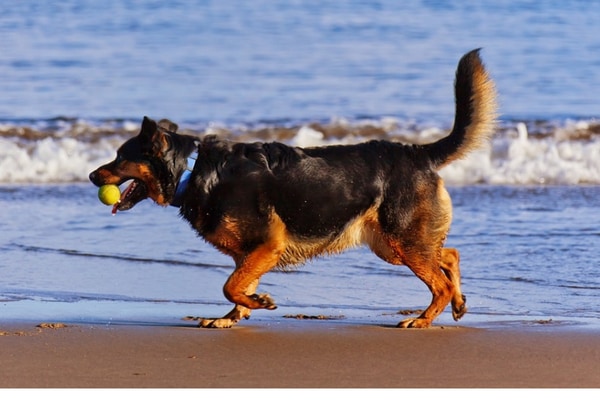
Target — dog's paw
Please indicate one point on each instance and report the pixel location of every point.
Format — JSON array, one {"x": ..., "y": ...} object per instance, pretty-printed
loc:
[
  {"x": 414, "y": 323},
  {"x": 264, "y": 301},
  {"x": 216, "y": 323},
  {"x": 459, "y": 311}
]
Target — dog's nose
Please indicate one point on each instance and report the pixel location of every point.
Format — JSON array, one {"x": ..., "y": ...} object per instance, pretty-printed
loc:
[{"x": 92, "y": 176}]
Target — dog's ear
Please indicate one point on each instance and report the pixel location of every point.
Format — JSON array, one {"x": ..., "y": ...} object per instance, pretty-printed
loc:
[
  {"x": 149, "y": 126},
  {"x": 168, "y": 125},
  {"x": 153, "y": 139}
]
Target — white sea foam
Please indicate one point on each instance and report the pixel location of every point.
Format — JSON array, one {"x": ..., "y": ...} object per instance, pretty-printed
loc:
[
  {"x": 520, "y": 159},
  {"x": 51, "y": 160},
  {"x": 307, "y": 137},
  {"x": 563, "y": 154}
]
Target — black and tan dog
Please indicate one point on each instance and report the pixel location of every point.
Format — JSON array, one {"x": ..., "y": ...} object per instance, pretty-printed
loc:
[{"x": 269, "y": 205}]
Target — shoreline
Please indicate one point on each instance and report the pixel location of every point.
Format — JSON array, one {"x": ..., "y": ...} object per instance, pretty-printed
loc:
[{"x": 294, "y": 354}]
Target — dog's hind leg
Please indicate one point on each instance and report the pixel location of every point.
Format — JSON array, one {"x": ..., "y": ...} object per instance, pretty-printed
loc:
[
  {"x": 429, "y": 272},
  {"x": 428, "y": 269},
  {"x": 437, "y": 269},
  {"x": 450, "y": 267}
]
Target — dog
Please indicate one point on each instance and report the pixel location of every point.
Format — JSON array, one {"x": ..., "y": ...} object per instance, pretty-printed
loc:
[{"x": 270, "y": 205}]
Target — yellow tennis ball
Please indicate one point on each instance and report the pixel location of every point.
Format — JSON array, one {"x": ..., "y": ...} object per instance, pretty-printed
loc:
[{"x": 109, "y": 194}]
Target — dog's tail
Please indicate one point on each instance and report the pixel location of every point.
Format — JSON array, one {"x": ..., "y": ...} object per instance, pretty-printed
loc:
[{"x": 475, "y": 116}]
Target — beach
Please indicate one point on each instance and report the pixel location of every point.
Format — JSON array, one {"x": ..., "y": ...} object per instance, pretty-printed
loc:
[{"x": 294, "y": 354}]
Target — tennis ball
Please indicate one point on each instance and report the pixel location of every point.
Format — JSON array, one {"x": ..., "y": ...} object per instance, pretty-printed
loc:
[{"x": 109, "y": 194}]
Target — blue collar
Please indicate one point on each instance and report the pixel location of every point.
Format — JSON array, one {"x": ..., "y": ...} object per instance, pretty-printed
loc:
[{"x": 183, "y": 181}]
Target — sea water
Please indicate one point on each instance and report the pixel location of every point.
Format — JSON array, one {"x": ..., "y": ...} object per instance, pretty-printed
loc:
[{"x": 77, "y": 78}]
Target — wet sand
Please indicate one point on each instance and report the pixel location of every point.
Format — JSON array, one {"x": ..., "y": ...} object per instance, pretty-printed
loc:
[{"x": 294, "y": 354}]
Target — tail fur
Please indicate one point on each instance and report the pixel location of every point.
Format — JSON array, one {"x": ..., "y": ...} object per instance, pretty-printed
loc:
[{"x": 476, "y": 112}]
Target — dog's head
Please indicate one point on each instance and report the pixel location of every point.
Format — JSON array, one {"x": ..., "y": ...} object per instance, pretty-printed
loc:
[{"x": 153, "y": 161}]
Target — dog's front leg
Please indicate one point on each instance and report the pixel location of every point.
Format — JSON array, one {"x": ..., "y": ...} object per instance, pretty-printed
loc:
[
  {"x": 238, "y": 313},
  {"x": 241, "y": 287}
]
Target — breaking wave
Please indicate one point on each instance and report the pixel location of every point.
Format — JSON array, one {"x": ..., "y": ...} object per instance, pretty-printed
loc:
[{"x": 65, "y": 150}]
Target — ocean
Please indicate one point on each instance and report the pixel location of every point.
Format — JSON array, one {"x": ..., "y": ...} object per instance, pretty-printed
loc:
[{"x": 77, "y": 77}]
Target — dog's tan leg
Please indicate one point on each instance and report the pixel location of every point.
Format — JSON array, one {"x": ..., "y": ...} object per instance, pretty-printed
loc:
[
  {"x": 437, "y": 269},
  {"x": 241, "y": 285},
  {"x": 429, "y": 271},
  {"x": 232, "y": 317},
  {"x": 450, "y": 266},
  {"x": 247, "y": 274}
]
